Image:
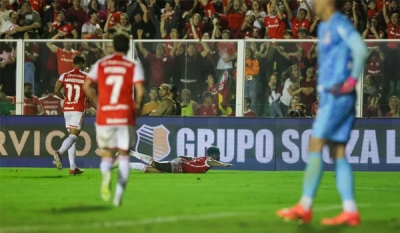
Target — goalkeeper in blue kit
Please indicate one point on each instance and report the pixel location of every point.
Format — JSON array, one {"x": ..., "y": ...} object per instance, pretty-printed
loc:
[{"x": 341, "y": 57}]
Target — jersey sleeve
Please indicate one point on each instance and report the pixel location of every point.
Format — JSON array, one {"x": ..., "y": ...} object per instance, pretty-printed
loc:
[
  {"x": 61, "y": 78},
  {"x": 93, "y": 73},
  {"x": 138, "y": 74},
  {"x": 356, "y": 44}
]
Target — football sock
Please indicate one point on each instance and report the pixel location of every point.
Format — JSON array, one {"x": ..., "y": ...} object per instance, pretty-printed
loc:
[
  {"x": 138, "y": 166},
  {"x": 145, "y": 158},
  {"x": 123, "y": 175},
  {"x": 345, "y": 184},
  {"x": 106, "y": 165},
  {"x": 71, "y": 156},
  {"x": 67, "y": 143},
  {"x": 312, "y": 177}
]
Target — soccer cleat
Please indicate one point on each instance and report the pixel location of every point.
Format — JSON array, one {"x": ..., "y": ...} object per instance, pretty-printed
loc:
[
  {"x": 76, "y": 171},
  {"x": 296, "y": 213},
  {"x": 117, "y": 203},
  {"x": 344, "y": 218},
  {"x": 57, "y": 160},
  {"x": 106, "y": 186}
]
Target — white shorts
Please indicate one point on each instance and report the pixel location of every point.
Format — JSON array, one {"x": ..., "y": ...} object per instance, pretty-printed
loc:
[
  {"x": 115, "y": 137},
  {"x": 74, "y": 119}
]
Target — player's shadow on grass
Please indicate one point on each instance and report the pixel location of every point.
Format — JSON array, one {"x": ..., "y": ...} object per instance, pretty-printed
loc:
[
  {"x": 40, "y": 177},
  {"x": 309, "y": 229},
  {"x": 79, "y": 209}
]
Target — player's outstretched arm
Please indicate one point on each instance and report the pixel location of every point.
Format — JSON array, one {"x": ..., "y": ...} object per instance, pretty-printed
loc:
[
  {"x": 359, "y": 52},
  {"x": 215, "y": 163}
]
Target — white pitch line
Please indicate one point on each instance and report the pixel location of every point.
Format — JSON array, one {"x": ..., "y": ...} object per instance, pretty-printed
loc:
[
  {"x": 114, "y": 224},
  {"x": 148, "y": 221}
]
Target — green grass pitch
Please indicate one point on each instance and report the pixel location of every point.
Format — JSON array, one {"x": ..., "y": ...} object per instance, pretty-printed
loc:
[{"x": 48, "y": 200}]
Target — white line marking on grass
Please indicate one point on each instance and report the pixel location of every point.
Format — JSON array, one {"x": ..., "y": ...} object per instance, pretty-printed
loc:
[{"x": 126, "y": 223}]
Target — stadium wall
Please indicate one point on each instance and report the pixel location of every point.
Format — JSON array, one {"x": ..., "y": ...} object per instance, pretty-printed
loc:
[{"x": 249, "y": 143}]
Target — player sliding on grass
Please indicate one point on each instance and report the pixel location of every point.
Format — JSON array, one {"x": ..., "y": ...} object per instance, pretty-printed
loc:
[
  {"x": 341, "y": 58},
  {"x": 181, "y": 164}
]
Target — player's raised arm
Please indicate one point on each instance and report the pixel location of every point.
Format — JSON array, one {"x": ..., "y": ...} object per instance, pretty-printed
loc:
[
  {"x": 215, "y": 163},
  {"x": 359, "y": 52}
]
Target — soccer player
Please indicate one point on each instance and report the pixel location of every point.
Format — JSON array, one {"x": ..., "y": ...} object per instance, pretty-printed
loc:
[
  {"x": 120, "y": 98},
  {"x": 341, "y": 58},
  {"x": 74, "y": 111},
  {"x": 182, "y": 164}
]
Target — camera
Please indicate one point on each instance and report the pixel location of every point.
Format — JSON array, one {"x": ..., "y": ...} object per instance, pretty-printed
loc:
[{"x": 296, "y": 113}]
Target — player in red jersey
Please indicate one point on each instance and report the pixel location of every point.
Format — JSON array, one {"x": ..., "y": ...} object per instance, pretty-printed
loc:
[
  {"x": 182, "y": 164},
  {"x": 120, "y": 98},
  {"x": 74, "y": 111}
]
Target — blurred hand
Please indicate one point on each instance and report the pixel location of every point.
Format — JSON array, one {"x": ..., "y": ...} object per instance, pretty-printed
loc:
[
  {"x": 140, "y": 33},
  {"x": 229, "y": 165}
]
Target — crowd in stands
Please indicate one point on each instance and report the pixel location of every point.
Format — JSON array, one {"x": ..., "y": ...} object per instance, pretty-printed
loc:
[{"x": 278, "y": 76}]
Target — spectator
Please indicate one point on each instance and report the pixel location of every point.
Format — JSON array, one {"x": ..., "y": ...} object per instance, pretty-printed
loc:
[
  {"x": 62, "y": 28},
  {"x": 314, "y": 108},
  {"x": 274, "y": 23},
  {"x": 291, "y": 87},
  {"x": 7, "y": 66},
  {"x": 65, "y": 56},
  {"x": 167, "y": 106},
  {"x": 212, "y": 87},
  {"x": 31, "y": 55},
  {"x": 293, "y": 103},
  {"x": 235, "y": 13},
  {"x": 257, "y": 11},
  {"x": 30, "y": 17},
  {"x": 188, "y": 105},
  {"x": 11, "y": 28},
  {"x": 173, "y": 94},
  {"x": 91, "y": 29},
  {"x": 350, "y": 10},
  {"x": 79, "y": 13},
  {"x": 51, "y": 14},
  {"x": 4, "y": 11},
  {"x": 208, "y": 107},
  {"x": 273, "y": 96},
  {"x": 113, "y": 15},
  {"x": 303, "y": 19},
  {"x": 153, "y": 104},
  {"x": 394, "y": 105},
  {"x": 32, "y": 104},
  {"x": 370, "y": 88},
  {"x": 158, "y": 62},
  {"x": 308, "y": 86},
  {"x": 102, "y": 15},
  {"x": 252, "y": 70},
  {"x": 124, "y": 25}
]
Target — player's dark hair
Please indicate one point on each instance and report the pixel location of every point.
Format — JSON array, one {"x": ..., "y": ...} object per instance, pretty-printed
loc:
[
  {"x": 121, "y": 43},
  {"x": 213, "y": 152},
  {"x": 78, "y": 60}
]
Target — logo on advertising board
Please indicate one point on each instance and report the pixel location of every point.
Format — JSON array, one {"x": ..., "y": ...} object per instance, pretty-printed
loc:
[{"x": 153, "y": 139}]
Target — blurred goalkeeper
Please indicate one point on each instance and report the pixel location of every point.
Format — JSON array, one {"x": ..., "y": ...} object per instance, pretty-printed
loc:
[
  {"x": 341, "y": 58},
  {"x": 181, "y": 164}
]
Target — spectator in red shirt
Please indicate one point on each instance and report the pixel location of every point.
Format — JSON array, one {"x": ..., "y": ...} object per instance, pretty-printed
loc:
[
  {"x": 235, "y": 12},
  {"x": 32, "y": 104},
  {"x": 102, "y": 17},
  {"x": 158, "y": 62},
  {"x": 208, "y": 107},
  {"x": 393, "y": 29},
  {"x": 275, "y": 23},
  {"x": 50, "y": 16},
  {"x": 195, "y": 27},
  {"x": 248, "y": 25},
  {"x": 113, "y": 15},
  {"x": 80, "y": 14},
  {"x": 212, "y": 87},
  {"x": 303, "y": 19},
  {"x": 60, "y": 25},
  {"x": 371, "y": 32}
]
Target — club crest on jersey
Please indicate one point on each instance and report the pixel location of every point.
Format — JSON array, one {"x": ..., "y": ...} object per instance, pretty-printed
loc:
[{"x": 153, "y": 140}]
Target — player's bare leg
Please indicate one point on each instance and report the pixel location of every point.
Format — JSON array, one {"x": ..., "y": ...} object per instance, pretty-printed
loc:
[
  {"x": 107, "y": 157},
  {"x": 345, "y": 185},
  {"x": 144, "y": 168},
  {"x": 123, "y": 175},
  {"x": 312, "y": 176},
  {"x": 145, "y": 158},
  {"x": 73, "y": 170}
]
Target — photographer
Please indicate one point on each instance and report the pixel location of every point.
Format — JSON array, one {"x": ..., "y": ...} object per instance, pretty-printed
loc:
[{"x": 299, "y": 111}]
